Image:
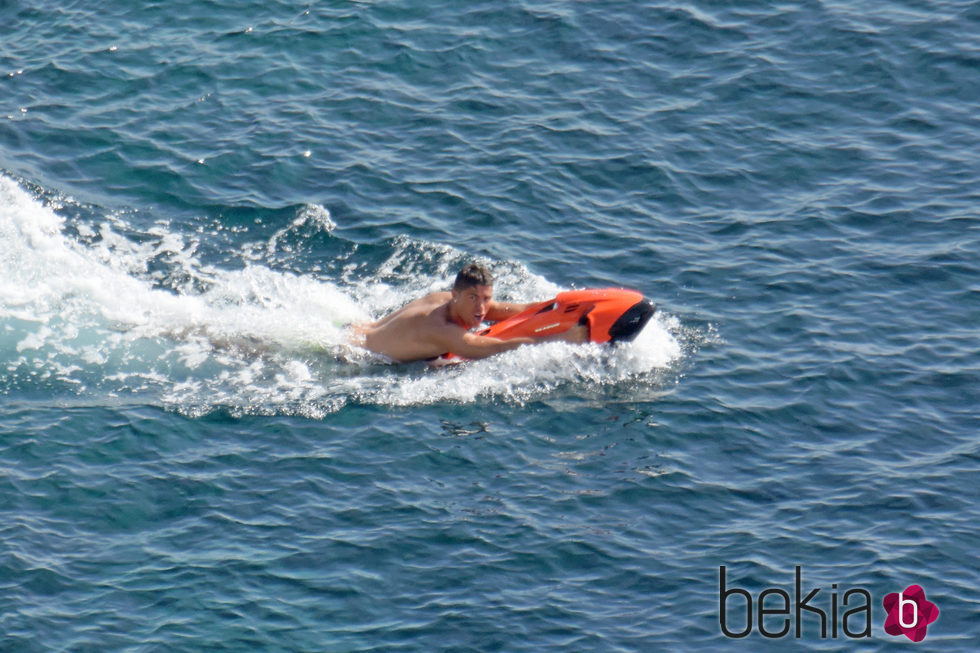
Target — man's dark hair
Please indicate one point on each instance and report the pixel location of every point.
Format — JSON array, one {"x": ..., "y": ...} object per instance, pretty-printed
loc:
[{"x": 472, "y": 274}]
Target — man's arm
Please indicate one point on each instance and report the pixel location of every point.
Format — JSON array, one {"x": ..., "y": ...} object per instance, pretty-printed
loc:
[
  {"x": 498, "y": 311},
  {"x": 470, "y": 345}
]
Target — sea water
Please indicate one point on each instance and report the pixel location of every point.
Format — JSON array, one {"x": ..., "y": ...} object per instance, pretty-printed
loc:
[{"x": 196, "y": 199}]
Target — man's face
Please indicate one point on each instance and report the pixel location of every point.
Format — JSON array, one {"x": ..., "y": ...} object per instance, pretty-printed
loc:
[{"x": 472, "y": 304}]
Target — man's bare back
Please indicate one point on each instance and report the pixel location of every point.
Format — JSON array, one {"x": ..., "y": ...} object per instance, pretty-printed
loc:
[
  {"x": 440, "y": 323},
  {"x": 407, "y": 334}
]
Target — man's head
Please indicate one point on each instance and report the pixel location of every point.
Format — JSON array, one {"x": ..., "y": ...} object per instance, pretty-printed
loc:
[
  {"x": 472, "y": 274},
  {"x": 472, "y": 292}
]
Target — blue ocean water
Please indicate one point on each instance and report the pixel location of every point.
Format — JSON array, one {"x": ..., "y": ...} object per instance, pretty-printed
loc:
[{"x": 196, "y": 197}]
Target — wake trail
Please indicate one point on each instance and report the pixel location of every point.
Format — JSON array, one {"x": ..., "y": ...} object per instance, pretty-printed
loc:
[{"x": 88, "y": 309}]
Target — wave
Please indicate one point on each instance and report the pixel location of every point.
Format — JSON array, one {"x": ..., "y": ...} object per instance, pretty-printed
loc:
[{"x": 95, "y": 306}]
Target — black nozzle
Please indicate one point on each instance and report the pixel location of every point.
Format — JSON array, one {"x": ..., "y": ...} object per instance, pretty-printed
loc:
[{"x": 632, "y": 321}]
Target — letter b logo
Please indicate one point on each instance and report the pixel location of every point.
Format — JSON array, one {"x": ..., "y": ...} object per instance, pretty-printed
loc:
[
  {"x": 909, "y": 613},
  {"x": 902, "y": 603}
]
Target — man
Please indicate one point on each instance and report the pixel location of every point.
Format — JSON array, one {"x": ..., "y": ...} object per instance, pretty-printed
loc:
[{"x": 440, "y": 323}]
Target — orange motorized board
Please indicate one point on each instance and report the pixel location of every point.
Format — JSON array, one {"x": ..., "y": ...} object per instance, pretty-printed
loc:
[{"x": 612, "y": 315}]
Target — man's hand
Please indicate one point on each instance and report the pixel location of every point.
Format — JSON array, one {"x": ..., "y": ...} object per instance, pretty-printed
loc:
[{"x": 576, "y": 335}]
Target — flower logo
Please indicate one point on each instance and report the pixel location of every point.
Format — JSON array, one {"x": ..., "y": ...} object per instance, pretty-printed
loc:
[{"x": 909, "y": 613}]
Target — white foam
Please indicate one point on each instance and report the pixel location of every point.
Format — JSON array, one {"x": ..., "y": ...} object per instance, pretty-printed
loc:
[{"x": 95, "y": 314}]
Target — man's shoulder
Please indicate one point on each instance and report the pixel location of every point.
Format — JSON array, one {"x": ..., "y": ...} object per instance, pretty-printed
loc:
[
  {"x": 426, "y": 303},
  {"x": 438, "y": 296}
]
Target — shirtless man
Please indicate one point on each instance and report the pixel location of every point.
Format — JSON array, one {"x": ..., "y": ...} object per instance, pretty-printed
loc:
[{"x": 440, "y": 322}]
